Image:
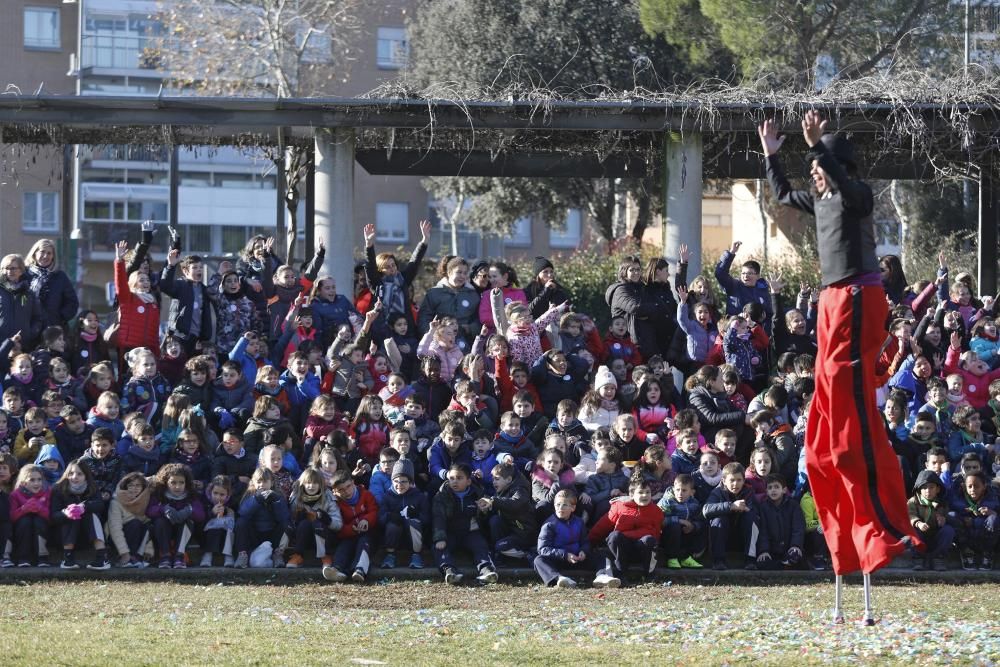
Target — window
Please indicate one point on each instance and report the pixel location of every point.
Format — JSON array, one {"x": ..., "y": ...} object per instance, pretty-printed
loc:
[
  {"x": 520, "y": 233},
  {"x": 392, "y": 222},
  {"x": 569, "y": 236},
  {"x": 40, "y": 212},
  {"x": 41, "y": 28},
  {"x": 319, "y": 48},
  {"x": 393, "y": 48}
]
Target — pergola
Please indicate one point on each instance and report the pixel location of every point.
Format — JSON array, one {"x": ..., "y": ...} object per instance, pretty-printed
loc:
[{"x": 680, "y": 142}]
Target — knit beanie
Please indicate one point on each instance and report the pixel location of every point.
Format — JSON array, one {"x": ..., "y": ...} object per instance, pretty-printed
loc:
[
  {"x": 541, "y": 264},
  {"x": 604, "y": 376},
  {"x": 403, "y": 468}
]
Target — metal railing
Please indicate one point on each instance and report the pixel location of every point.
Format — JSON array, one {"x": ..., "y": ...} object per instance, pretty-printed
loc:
[{"x": 121, "y": 52}]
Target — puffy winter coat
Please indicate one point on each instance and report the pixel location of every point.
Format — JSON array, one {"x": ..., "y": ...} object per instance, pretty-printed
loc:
[{"x": 138, "y": 321}]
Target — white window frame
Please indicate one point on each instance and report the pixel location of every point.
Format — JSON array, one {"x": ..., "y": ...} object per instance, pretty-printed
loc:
[
  {"x": 36, "y": 17},
  {"x": 520, "y": 234},
  {"x": 388, "y": 226},
  {"x": 38, "y": 225},
  {"x": 392, "y": 48},
  {"x": 571, "y": 234}
]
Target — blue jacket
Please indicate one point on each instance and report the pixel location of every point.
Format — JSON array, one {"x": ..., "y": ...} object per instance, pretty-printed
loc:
[
  {"x": 300, "y": 393},
  {"x": 264, "y": 514},
  {"x": 675, "y": 511},
  {"x": 699, "y": 339},
  {"x": 782, "y": 526},
  {"x": 137, "y": 459},
  {"x": 237, "y": 397},
  {"x": 738, "y": 294},
  {"x": 485, "y": 468},
  {"x": 599, "y": 485},
  {"x": 50, "y": 453},
  {"x": 440, "y": 459},
  {"x": 960, "y": 445},
  {"x": 328, "y": 316},
  {"x": 683, "y": 464},
  {"x": 391, "y": 504},
  {"x": 380, "y": 484},
  {"x": 240, "y": 356},
  {"x": 559, "y": 538}
]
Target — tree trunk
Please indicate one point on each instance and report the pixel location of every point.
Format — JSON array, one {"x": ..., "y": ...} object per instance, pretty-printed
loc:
[
  {"x": 644, "y": 214},
  {"x": 453, "y": 223}
]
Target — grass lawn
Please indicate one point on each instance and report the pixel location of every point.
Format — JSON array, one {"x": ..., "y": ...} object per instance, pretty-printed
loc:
[{"x": 418, "y": 623}]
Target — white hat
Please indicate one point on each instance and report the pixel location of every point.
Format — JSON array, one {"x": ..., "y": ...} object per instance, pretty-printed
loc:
[{"x": 604, "y": 376}]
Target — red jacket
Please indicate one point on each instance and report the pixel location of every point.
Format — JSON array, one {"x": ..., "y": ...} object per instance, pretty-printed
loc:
[
  {"x": 366, "y": 508},
  {"x": 508, "y": 389},
  {"x": 623, "y": 348},
  {"x": 21, "y": 504},
  {"x": 628, "y": 518},
  {"x": 139, "y": 322},
  {"x": 371, "y": 438}
]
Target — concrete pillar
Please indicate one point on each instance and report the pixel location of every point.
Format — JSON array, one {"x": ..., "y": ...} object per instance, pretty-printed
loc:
[
  {"x": 334, "y": 219},
  {"x": 682, "y": 191}
]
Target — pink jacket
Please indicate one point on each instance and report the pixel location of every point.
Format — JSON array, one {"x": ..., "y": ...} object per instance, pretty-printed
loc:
[
  {"x": 977, "y": 387},
  {"x": 21, "y": 504}
]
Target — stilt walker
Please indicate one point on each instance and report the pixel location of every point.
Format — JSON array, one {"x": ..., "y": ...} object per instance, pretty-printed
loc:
[{"x": 854, "y": 474}]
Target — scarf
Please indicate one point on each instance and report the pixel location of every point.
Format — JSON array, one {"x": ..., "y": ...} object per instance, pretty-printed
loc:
[
  {"x": 175, "y": 497},
  {"x": 144, "y": 454},
  {"x": 187, "y": 459},
  {"x": 89, "y": 337},
  {"x": 39, "y": 279},
  {"x": 135, "y": 505},
  {"x": 306, "y": 499},
  {"x": 713, "y": 480},
  {"x": 392, "y": 295},
  {"x": 609, "y": 404},
  {"x": 77, "y": 489},
  {"x": 145, "y": 297}
]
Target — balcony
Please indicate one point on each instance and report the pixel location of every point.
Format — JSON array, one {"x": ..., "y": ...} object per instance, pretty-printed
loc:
[{"x": 122, "y": 53}]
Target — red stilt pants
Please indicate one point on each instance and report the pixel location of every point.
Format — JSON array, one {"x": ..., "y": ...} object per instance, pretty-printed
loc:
[{"x": 853, "y": 472}]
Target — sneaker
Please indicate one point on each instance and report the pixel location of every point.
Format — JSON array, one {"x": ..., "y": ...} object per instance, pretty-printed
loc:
[
  {"x": 6, "y": 562},
  {"x": 968, "y": 560},
  {"x": 242, "y": 560},
  {"x": 294, "y": 561},
  {"x": 69, "y": 562},
  {"x": 488, "y": 575},
  {"x": 326, "y": 561},
  {"x": 44, "y": 562},
  {"x": 607, "y": 581},
  {"x": 228, "y": 561},
  {"x": 359, "y": 576},
  {"x": 180, "y": 563},
  {"x": 278, "y": 557},
  {"x": 24, "y": 564},
  {"x": 986, "y": 564},
  {"x": 751, "y": 564},
  {"x": 817, "y": 563},
  {"x": 720, "y": 565},
  {"x": 206, "y": 560},
  {"x": 100, "y": 563},
  {"x": 330, "y": 573},
  {"x": 126, "y": 562},
  {"x": 140, "y": 563},
  {"x": 565, "y": 582},
  {"x": 514, "y": 553},
  {"x": 690, "y": 562},
  {"x": 940, "y": 565},
  {"x": 416, "y": 562},
  {"x": 673, "y": 564},
  {"x": 452, "y": 577},
  {"x": 165, "y": 563},
  {"x": 918, "y": 564},
  {"x": 389, "y": 561}
]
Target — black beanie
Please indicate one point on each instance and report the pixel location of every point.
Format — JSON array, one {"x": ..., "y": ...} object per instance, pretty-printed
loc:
[
  {"x": 841, "y": 148},
  {"x": 541, "y": 264}
]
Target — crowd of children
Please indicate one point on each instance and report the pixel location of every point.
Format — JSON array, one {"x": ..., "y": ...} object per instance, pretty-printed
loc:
[{"x": 279, "y": 423}]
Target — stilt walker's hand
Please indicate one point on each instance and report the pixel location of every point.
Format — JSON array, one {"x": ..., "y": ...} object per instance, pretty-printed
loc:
[{"x": 813, "y": 127}]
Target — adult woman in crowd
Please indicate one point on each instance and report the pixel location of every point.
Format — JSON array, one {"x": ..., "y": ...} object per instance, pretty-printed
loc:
[
  {"x": 543, "y": 291},
  {"x": 894, "y": 280},
  {"x": 390, "y": 282},
  {"x": 479, "y": 276},
  {"x": 707, "y": 397},
  {"x": 20, "y": 311},
  {"x": 453, "y": 297},
  {"x": 256, "y": 267},
  {"x": 504, "y": 277},
  {"x": 55, "y": 292},
  {"x": 660, "y": 293},
  {"x": 627, "y": 299}
]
